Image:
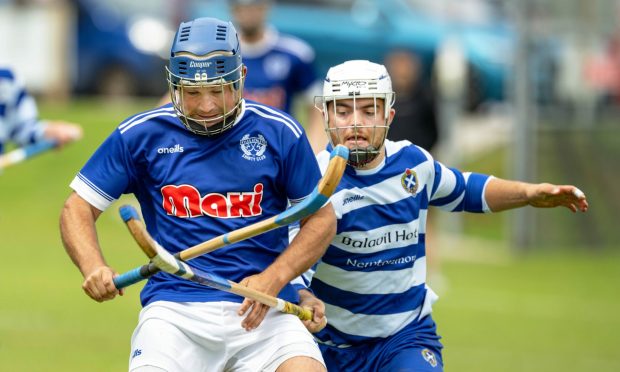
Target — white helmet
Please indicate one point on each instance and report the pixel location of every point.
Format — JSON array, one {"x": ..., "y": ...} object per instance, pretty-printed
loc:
[{"x": 354, "y": 80}]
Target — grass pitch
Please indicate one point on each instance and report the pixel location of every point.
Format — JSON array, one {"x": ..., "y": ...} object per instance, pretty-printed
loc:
[{"x": 550, "y": 310}]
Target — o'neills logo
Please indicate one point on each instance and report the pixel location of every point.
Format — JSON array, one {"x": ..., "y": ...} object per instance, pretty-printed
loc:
[
  {"x": 199, "y": 64},
  {"x": 185, "y": 201},
  {"x": 352, "y": 199},
  {"x": 170, "y": 150}
]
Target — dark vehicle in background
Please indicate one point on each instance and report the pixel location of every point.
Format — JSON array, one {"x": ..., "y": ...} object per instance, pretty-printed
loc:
[{"x": 122, "y": 46}]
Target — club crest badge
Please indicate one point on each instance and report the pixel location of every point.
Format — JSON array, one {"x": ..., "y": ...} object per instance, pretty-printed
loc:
[
  {"x": 253, "y": 147},
  {"x": 429, "y": 356},
  {"x": 409, "y": 181}
]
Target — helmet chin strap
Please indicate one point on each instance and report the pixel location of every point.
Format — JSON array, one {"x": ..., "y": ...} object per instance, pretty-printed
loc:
[
  {"x": 214, "y": 129},
  {"x": 358, "y": 157}
]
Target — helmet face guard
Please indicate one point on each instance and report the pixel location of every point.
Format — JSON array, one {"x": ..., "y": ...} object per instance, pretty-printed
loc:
[
  {"x": 360, "y": 83},
  {"x": 205, "y": 55}
]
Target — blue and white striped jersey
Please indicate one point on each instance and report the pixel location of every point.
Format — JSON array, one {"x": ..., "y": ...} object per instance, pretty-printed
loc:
[
  {"x": 372, "y": 277},
  {"x": 279, "y": 67},
  {"x": 19, "y": 121},
  {"x": 192, "y": 188}
]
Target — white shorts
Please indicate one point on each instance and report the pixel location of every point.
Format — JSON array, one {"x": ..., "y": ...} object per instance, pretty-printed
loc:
[{"x": 207, "y": 336}]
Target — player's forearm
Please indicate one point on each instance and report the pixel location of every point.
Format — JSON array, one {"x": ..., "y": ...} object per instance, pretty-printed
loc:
[
  {"x": 503, "y": 194},
  {"x": 313, "y": 238},
  {"x": 79, "y": 237}
]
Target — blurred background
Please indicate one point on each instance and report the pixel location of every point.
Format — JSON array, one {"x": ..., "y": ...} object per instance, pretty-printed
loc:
[{"x": 526, "y": 89}]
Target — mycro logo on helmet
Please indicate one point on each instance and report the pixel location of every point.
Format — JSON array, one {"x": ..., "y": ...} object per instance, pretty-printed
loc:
[
  {"x": 200, "y": 64},
  {"x": 185, "y": 201},
  {"x": 170, "y": 150},
  {"x": 354, "y": 83}
]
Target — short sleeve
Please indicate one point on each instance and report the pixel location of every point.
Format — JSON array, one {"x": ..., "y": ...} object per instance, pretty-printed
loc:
[
  {"x": 107, "y": 175},
  {"x": 301, "y": 171}
]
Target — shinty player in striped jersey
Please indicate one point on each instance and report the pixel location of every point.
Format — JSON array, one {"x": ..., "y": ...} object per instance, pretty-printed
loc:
[
  {"x": 19, "y": 117},
  {"x": 372, "y": 276}
]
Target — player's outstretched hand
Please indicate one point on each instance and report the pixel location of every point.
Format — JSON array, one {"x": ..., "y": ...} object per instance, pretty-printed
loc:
[
  {"x": 262, "y": 283},
  {"x": 319, "y": 321},
  {"x": 99, "y": 284},
  {"x": 63, "y": 132},
  {"x": 545, "y": 195}
]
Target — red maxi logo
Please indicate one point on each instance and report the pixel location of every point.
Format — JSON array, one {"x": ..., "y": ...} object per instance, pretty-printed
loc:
[{"x": 185, "y": 201}]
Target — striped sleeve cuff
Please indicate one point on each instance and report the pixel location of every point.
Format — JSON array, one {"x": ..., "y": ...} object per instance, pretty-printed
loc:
[
  {"x": 91, "y": 193},
  {"x": 485, "y": 205}
]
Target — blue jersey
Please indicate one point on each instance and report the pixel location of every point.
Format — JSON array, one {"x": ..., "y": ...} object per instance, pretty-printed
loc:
[
  {"x": 18, "y": 112},
  {"x": 372, "y": 277},
  {"x": 192, "y": 188},
  {"x": 278, "y": 68}
]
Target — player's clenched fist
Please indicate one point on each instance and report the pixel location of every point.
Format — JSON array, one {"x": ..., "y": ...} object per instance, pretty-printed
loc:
[
  {"x": 99, "y": 286},
  {"x": 319, "y": 320}
]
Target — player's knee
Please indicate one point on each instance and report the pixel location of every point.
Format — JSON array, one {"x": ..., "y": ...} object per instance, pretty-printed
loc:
[
  {"x": 301, "y": 363},
  {"x": 148, "y": 369}
]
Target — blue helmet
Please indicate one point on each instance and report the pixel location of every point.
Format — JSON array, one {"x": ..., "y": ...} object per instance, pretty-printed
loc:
[{"x": 205, "y": 54}]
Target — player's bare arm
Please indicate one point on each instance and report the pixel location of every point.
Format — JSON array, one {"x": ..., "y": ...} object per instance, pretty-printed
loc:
[
  {"x": 503, "y": 194},
  {"x": 63, "y": 132},
  {"x": 308, "y": 246},
  {"x": 79, "y": 236}
]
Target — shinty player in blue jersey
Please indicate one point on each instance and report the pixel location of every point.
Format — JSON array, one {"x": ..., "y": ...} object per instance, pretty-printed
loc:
[
  {"x": 281, "y": 66},
  {"x": 206, "y": 164},
  {"x": 372, "y": 276}
]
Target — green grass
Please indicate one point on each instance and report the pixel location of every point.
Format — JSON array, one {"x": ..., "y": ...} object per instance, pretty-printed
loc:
[
  {"x": 47, "y": 323},
  {"x": 551, "y": 310},
  {"x": 546, "y": 312}
]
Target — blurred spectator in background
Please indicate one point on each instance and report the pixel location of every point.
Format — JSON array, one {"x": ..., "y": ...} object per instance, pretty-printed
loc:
[
  {"x": 415, "y": 103},
  {"x": 19, "y": 121},
  {"x": 602, "y": 71},
  {"x": 281, "y": 67}
]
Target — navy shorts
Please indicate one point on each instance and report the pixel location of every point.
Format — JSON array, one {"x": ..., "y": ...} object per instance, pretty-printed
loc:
[{"x": 416, "y": 348}]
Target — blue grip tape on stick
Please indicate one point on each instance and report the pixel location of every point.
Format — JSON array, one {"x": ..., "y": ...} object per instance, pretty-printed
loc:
[
  {"x": 39, "y": 147},
  {"x": 341, "y": 151},
  {"x": 131, "y": 277},
  {"x": 128, "y": 213}
]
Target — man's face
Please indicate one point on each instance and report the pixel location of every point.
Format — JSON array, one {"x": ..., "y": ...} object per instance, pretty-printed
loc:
[
  {"x": 208, "y": 105},
  {"x": 250, "y": 18},
  {"x": 404, "y": 68},
  {"x": 358, "y": 123}
]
